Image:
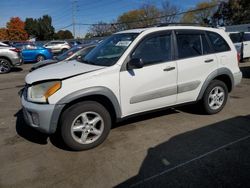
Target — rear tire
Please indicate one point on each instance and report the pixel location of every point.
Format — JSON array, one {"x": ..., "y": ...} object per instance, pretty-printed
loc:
[
  {"x": 85, "y": 125},
  {"x": 5, "y": 66},
  {"x": 215, "y": 97}
]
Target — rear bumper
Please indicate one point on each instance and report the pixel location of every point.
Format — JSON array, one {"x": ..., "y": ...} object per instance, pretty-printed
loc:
[
  {"x": 17, "y": 61},
  {"x": 237, "y": 78}
]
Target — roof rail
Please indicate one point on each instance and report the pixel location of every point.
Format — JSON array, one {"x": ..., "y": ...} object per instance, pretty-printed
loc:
[{"x": 178, "y": 23}]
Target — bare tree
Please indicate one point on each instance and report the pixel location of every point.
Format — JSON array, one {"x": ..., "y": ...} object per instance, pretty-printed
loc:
[
  {"x": 101, "y": 29},
  {"x": 170, "y": 10}
]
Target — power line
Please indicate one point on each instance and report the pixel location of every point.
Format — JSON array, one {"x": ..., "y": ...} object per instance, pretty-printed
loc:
[
  {"x": 153, "y": 18},
  {"x": 64, "y": 27}
]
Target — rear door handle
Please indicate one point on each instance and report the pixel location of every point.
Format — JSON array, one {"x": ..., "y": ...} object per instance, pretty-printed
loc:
[
  {"x": 169, "y": 69},
  {"x": 209, "y": 60}
]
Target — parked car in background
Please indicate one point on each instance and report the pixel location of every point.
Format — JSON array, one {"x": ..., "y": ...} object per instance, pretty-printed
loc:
[
  {"x": 58, "y": 46},
  {"x": 32, "y": 53},
  {"x": 75, "y": 43},
  {"x": 241, "y": 42},
  {"x": 3, "y": 44},
  {"x": 8, "y": 43},
  {"x": 9, "y": 57},
  {"x": 71, "y": 54},
  {"x": 129, "y": 73}
]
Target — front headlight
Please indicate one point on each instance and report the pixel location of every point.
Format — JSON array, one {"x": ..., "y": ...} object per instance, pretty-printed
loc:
[{"x": 41, "y": 92}]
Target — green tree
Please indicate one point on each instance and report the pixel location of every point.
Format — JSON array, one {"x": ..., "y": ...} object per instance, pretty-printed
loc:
[
  {"x": 41, "y": 28},
  {"x": 63, "y": 34},
  {"x": 31, "y": 27},
  {"x": 46, "y": 30}
]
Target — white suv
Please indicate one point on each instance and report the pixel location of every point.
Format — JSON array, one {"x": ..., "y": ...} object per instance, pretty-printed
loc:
[
  {"x": 57, "y": 46},
  {"x": 129, "y": 73}
]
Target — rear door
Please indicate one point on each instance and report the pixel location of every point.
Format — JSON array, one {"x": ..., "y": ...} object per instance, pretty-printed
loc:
[
  {"x": 196, "y": 61},
  {"x": 246, "y": 45}
]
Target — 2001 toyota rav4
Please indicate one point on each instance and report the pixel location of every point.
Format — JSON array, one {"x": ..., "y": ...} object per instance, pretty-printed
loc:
[{"x": 131, "y": 72}]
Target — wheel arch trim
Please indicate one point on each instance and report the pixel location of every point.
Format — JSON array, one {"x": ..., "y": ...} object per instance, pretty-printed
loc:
[
  {"x": 99, "y": 90},
  {"x": 211, "y": 76}
]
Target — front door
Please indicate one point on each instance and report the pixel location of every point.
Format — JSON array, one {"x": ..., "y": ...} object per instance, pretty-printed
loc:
[{"x": 155, "y": 85}]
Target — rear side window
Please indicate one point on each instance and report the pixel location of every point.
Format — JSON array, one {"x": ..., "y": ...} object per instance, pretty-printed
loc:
[
  {"x": 218, "y": 43},
  {"x": 192, "y": 45},
  {"x": 246, "y": 37},
  {"x": 154, "y": 50}
]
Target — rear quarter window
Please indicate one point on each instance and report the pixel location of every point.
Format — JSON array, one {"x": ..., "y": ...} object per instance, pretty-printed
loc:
[
  {"x": 192, "y": 44},
  {"x": 218, "y": 42}
]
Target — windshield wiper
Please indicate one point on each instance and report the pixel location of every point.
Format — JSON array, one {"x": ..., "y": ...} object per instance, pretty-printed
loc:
[{"x": 88, "y": 62}]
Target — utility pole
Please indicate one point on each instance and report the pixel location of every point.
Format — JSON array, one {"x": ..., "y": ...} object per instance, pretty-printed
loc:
[{"x": 73, "y": 17}]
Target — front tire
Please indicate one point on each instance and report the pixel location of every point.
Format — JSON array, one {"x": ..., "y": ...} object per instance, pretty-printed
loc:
[
  {"x": 85, "y": 125},
  {"x": 40, "y": 58},
  {"x": 215, "y": 97},
  {"x": 5, "y": 66}
]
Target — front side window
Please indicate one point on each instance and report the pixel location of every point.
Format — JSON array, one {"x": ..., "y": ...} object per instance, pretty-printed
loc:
[
  {"x": 108, "y": 52},
  {"x": 218, "y": 43},
  {"x": 154, "y": 50}
]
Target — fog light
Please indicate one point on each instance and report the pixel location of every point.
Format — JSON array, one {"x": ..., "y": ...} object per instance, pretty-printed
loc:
[{"x": 35, "y": 118}]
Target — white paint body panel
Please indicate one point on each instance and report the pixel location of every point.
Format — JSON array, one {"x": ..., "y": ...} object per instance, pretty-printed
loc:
[
  {"x": 145, "y": 80},
  {"x": 125, "y": 84}
]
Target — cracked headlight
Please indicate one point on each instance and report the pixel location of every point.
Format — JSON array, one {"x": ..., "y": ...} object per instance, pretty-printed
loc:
[{"x": 41, "y": 92}]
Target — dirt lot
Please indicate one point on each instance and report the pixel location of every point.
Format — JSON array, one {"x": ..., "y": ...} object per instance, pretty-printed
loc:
[{"x": 172, "y": 148}]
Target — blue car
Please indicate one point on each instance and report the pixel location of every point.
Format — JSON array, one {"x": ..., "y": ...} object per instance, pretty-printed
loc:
[{"x": 33, "y": 53}]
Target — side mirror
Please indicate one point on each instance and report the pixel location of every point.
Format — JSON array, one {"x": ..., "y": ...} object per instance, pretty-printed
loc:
[{"x": 135, "y": 63}]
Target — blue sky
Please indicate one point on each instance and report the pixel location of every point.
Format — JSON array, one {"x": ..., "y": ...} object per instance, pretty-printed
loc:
[{"x": 87, "y": 11}]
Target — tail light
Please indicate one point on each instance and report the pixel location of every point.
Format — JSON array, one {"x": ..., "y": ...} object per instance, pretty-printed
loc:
[
  {"x": 16, "y": 50},
  {"x": 238, "y": 57}
]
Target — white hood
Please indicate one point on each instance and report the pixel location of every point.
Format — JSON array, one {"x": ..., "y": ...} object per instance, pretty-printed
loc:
[{"x": 60, "y": 70}]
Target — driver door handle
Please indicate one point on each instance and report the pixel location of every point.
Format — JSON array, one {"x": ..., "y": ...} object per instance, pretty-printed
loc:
[
  {"x": 169, "y": 69},
  {"x": 209, "y": 60}
]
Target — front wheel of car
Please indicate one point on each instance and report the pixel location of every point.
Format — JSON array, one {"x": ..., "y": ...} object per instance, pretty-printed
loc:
[
  {"x": 40, "y": 58},
  {"x": 5, "y": 66},
  {"x": 215, "y": 97},
  {"x": 85, "y": 125}
]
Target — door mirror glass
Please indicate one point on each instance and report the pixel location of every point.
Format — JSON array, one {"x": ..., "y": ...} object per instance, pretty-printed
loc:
[{"x": 135, "y": 63}]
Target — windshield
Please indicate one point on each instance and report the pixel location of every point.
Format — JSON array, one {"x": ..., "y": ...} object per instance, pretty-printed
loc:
[{"x": 110, "y": 50}]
